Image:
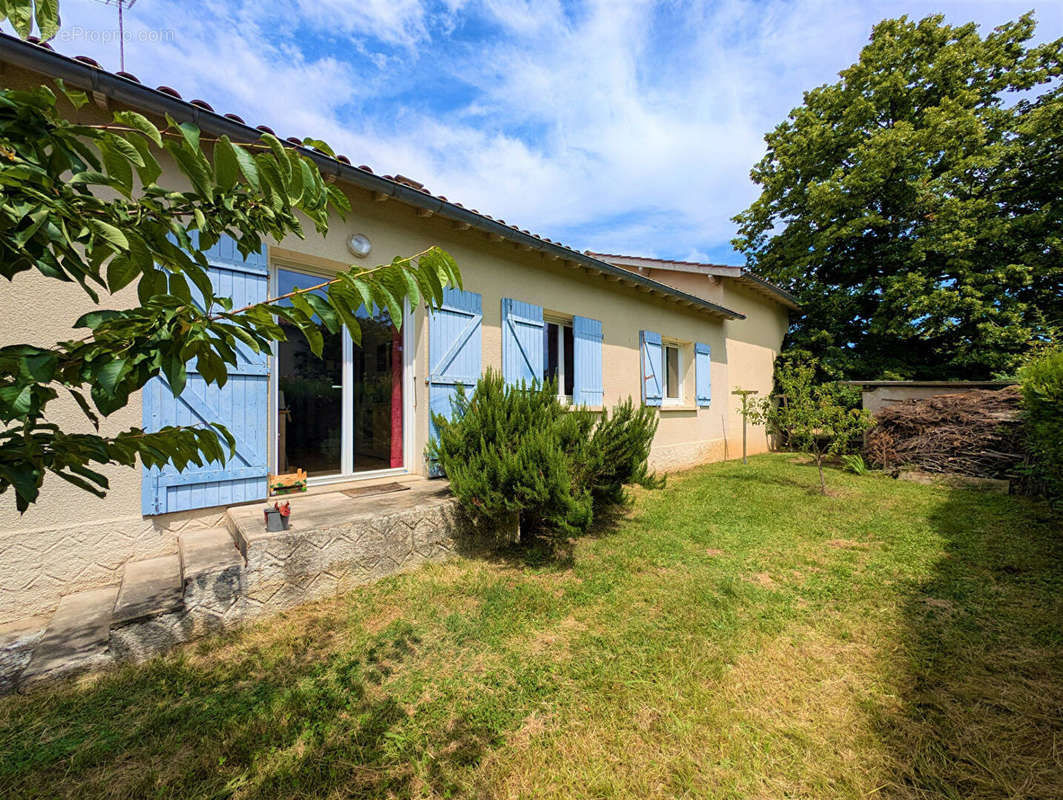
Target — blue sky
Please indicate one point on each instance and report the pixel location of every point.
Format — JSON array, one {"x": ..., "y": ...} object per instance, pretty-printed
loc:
[{"x": 624, "y": 127}]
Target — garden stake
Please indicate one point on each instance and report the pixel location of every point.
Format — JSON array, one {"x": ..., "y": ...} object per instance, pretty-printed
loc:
[{"x": 744, "y": 394}]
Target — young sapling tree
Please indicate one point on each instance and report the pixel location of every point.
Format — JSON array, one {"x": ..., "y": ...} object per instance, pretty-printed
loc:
[{"x": 810, "y": 417}]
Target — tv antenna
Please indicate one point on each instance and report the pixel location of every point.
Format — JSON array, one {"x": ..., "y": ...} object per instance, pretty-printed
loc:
[{"x": 122, "y": 5}]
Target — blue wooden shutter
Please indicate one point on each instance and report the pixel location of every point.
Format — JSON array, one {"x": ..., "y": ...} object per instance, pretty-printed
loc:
[
  {"x": 587, "y": 387},
  {"x": 455, "y": 352},
  {"x": 703, "y": 373},
  {"x": 242, "y": 405},
  {"x": 652, "y": 367},
  {"x": 522, "y": 341}
]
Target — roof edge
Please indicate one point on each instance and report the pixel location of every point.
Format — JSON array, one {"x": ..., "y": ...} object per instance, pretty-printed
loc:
[
  {"x": 42, "y": 59},
  {"x": 740, "y": 274}
]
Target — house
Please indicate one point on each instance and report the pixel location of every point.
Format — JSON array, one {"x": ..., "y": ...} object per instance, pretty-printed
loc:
[{"x": 679, "y": 337}]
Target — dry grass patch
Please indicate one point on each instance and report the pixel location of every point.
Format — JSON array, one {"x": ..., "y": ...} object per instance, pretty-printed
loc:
[
  {"x": 848, "y": 544},
  {"x": 808, "y": 692},
  {"x": 793, "y": 709},
  {"x": 763, "y": 580},
  {"x": 554, "y": 640}
]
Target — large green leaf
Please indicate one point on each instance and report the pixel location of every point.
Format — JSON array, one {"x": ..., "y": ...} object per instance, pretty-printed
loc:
[
  {"x": 121, "y": 272},
  {"x": 173, "y": 367},
  {"x": 109, "y": 233},
  {"x": 20, "y": 13},
  {"x": 341, "y": 298},
  {"x": 194, "y": 167},
  {"x": 140, "y": 123},
  {"x": 118, "y": 167},
  {"x": 125, "y": 148},
  {"x": 325, "y": 311},
  {"x": 226, "y": 165},
  {"x": 108, "y": 374},
  {"x": 149, "y": 171},
  {"x": 47, "y": 18},
  {"x": 247, "y": 165},
  {"x": 319, "y": 145}
]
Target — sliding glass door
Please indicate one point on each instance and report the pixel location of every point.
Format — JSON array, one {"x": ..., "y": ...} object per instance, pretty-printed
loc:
[
  {"x": 376, "y": 402},
  {"x": 341, "y": 414},
  {"x": 310, "y": 396}
]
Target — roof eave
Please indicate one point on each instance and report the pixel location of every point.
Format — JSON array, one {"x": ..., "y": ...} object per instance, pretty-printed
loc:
[
  {"x": 777, "y": 293},
  {"x": 35, "y": 58},
  {"x": 740, "y": 274}
]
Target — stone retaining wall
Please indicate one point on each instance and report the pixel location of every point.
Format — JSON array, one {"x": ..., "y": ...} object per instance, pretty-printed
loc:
[
  {"x": 287, "y": 569},
  {"x": 38, "y": 566}
]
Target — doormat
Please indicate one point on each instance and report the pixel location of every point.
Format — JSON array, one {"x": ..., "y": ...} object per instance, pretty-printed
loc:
[{"x": 383, "y": 488}]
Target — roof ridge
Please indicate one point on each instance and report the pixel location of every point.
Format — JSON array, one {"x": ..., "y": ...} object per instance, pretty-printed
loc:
[{"x": 664, "y": 260}]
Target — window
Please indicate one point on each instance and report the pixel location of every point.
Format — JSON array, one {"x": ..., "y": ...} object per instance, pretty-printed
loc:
[
  {"x": 559, "y": 356},
  {"x": 673, "y": 377}
]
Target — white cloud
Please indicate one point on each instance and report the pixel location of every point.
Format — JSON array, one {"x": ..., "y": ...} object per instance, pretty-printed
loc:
[
  {"x": 395, "y": 21},
  {"x": 613, "y": 126}
]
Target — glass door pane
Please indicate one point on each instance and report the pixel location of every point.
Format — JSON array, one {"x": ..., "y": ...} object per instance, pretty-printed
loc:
[
  {"x": 377, "y": 396},
  {"x": 310, "y": 399}
]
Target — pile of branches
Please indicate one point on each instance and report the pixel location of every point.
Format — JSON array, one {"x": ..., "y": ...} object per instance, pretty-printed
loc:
[{"x": 976, "y": 433}]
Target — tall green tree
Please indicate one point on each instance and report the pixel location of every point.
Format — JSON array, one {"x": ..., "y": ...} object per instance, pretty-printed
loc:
[
  {"x": 915, "y": 207},
  {"x": 81, "y": 203}
]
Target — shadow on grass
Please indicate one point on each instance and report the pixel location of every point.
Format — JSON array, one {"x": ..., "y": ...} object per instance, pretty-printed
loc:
[
  {"x": 811, "y": 486},
  {"x": 543, "y": 552},
  {"x": 982, "y": 673},
  {"x": 304, "y": 723}
]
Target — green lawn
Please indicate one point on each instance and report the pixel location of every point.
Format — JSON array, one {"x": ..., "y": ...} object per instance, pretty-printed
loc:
[{"x": 736, "y": 636}]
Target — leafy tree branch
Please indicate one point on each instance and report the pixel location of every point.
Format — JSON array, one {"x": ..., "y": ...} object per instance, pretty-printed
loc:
[{"x": 81, "y": 204}]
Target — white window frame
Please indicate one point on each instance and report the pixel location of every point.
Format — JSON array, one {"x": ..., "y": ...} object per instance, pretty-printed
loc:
[
  {"x": 681, "y": 365},
  {"x": 561, "y": 321},
  {"x": 347, "y": 472}
]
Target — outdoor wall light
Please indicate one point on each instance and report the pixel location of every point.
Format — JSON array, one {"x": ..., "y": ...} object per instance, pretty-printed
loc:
[{"x": 359, "y": 245}]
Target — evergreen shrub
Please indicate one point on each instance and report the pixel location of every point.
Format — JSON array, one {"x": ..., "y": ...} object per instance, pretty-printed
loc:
[
  {"x": 1042, "y": 396},
  {"x": 517, "y": 451}
]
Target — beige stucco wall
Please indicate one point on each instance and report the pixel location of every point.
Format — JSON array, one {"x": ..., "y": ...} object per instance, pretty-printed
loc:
[
  {"x": 495, "y": 270},
  {"x": 752, "y": 344},
  {"x": 69, "y": 540}
]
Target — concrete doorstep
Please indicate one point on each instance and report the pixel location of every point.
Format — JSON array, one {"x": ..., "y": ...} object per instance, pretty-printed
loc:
[
  {"x": 77, "y": 636},
  {"x": 149, "y": 588}
]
